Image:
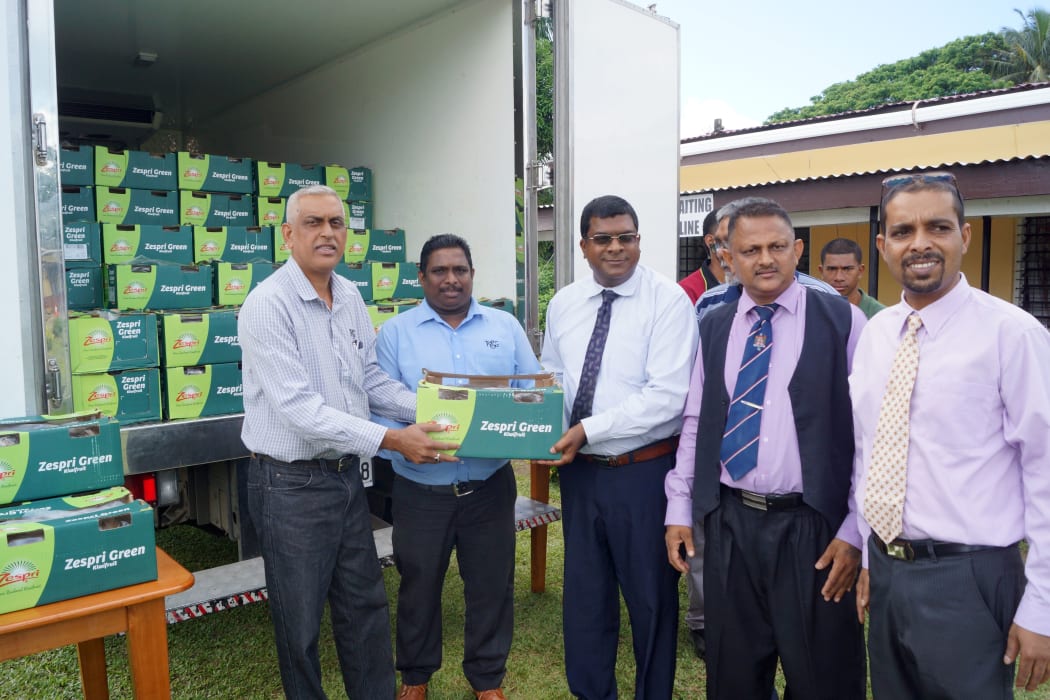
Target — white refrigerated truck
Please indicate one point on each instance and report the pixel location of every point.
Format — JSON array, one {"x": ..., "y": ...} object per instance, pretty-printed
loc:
[{"x": 435, "y": 96}]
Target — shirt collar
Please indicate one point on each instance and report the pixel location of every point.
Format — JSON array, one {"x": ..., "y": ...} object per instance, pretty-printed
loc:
[
  {"x": 428, "y": 314},
  {"x": 305, "y": 289},
  {"x": 789, "y": 300},
  {"x": 935, "y": 315},
  {"x": 625, "y": 289}
]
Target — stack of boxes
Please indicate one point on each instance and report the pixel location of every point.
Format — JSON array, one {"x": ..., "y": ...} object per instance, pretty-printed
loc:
[{"x": 55, "y": 546}]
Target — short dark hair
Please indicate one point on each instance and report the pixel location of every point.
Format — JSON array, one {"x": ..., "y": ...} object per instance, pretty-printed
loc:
[
  {"x": 758, "y": 207},
  {"x": 918, "y": 183},
  {"x": 841, "y": 246},
  {"x": 443, "y": 240},
  {"x": 710, "y": 223},
  {"x": 605, "y": 207}
]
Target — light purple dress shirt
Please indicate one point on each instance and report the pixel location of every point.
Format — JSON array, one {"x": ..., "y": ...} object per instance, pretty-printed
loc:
[
  {"x": 779, "y": 468},
  {"x": 978, "y": 470}
]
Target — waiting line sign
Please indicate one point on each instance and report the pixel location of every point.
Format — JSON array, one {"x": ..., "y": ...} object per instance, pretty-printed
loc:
[{"x": 692, "y": 208}]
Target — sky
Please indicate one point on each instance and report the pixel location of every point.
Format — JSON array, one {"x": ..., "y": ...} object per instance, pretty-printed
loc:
[{"x": 743, "y": 60}]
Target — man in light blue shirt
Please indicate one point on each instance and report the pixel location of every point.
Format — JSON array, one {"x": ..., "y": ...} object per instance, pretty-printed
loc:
[{"x": 467, "y": 505}]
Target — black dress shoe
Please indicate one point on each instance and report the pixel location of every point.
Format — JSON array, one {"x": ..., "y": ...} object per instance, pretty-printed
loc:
[{"x": 699, "y": 643}]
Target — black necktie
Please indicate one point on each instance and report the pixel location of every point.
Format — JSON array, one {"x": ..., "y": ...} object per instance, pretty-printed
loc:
[{"x": 592, "y": 361}]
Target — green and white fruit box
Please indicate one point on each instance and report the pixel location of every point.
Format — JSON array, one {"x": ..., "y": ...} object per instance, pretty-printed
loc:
[
  {"x": 63, "y": 548},
  {"x": 380, "y": 313},
  {"x": 76, "y": 165},
  {"x": 491, "y": 418},
  {"x": 360, "y": 215},
  {"x": 358, "y": 273},
  {"x": 78, "y": 203},
  {"x": 396, "y": 281},
  {"x": 349, "y": 183},
  {"x": 121, "y": 205},
  {"x": 82, "y": 242},
  {"x": 235, "y": 244},
  {"x": 283, "y": 179},
  {"x": 135, "y": 169},
  {"x": 160, "y": 287},
  {"x": 130, "y": 395},
  {"x": 210, "y": 173},
  {"x": 233, "y": 281},
  {"x": 205, "y": 338},
  {"x": 103, "y": 341},
  {"x": 499, "y": 303},
  {"x": 269, "y": 211},
  {"x": 380, "y": 245},
  {"x": 207, "y": 209},
  {"x": 203, "y": 390},
  {"x": 84, "y": 288},
  {"x": 43, "y": 456},
  {"x": 147, "y": 243}
]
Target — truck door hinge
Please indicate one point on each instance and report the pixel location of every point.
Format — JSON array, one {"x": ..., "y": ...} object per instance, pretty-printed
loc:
[
  {"x": 40, "y": 139},
  {"x": 538, "y": 175}
]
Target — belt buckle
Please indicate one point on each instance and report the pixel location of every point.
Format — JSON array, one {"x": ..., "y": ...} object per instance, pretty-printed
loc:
[
  {"x": 900, "y": 550},
  {"x": 462, "y": 488},
  {"x": 602, "y": 459},
  {"x": 754, "y": 500}
]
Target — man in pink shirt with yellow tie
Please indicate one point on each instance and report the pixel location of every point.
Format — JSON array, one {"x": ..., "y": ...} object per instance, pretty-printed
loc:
[{"x": 951, "y": 398}]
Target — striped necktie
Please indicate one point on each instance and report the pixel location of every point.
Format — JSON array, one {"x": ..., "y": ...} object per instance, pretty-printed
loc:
[{"x": 740, "y": 441}]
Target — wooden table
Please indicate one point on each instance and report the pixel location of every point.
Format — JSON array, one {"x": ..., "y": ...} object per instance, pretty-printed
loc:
[{"x": 137, "y": 610}]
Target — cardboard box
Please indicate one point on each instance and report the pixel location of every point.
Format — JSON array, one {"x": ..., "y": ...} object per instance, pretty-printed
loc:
[
  {"x": 235, "y": 244},
  {"x": 488, "y": 417},
  {"x": 84, "y": 288},
  {"x": 76, "y": 165},
  {"x": 135, "y": 169},
  {"x": 120, "y": 205},
  {"x": 233, "y": 281},
  {"x": 63, "y": 548},
  {"x": 42, "y": 456},
  {"x": 105, "y": 341},
  {"x": 396, "y": 281},
  {"x": 352, "y": 183},
  {"x": 208, "y": 173},
  {"x": 281, "y": 250},
  {"x": 502, "y": 303},
  {"x": 130, "y": 396},
  {"x": 380, "y": 313},
  {"x": 205, "y": 338},
  {"x": 82, "y": 243},
  {"x": 203, "y": 390},
  {"x": 380, "y": 245},
  {"x": 78, "y": 203},
  {"x": 160, "y": 287},
  {"x": 282, "y": 179},
  {"x": 206, "y": 209},
  {"x": 360, "y": 215},
  {"x": 269, "y": 211},
  {"x": 360, "y": 274},
  {"x": 147, "y": 243}
]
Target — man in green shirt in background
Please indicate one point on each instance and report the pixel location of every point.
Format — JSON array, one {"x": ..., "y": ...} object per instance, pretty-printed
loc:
[{"x": 841, "y": 267}]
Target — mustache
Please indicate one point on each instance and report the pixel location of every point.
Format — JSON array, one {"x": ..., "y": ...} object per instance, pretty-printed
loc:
[{"x": 923, "y": 257}]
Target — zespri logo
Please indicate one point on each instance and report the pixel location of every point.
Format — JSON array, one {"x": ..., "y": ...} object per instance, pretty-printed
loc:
[
  {"x": 341, "y": 180},
  {"x": 120, "y": 246},
  {"x": 193, "y": 211},
  {"x": 356, "y": 248},
  {"x": 271, "y": 181},
  {"x": 97, "y": 336},
  {"x": 101, "y": 392},
  {"x": 209, "y": 247},
  {"x": 186, "y": 340},
  {"x": 270, "y": 217},
  {"x": 18, "y": 571},
  {"x": 111, "y": 168},
  {"x": 189, "y": 393},
  {"x": 135, "y": 290},
  {"x": 6, "y": 471},
  {"x": 191, "y": 173},
  {"x": 234, "y": 285},
  {"x": 385, "y": 283},
  {"x": 112, "y": 208},
  {"x": 447, "y": 421}
]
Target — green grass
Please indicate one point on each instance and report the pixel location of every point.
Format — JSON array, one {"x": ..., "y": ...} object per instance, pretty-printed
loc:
[{"x": 230, "y": 655}]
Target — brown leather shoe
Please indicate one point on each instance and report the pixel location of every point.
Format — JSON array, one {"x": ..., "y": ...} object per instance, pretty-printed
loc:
[
  {"x": 494, "y": 694},
  {"x": 412, "y": 692}
]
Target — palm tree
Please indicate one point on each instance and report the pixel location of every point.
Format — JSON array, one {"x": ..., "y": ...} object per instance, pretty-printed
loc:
[{"x": 1027, "y": 57}]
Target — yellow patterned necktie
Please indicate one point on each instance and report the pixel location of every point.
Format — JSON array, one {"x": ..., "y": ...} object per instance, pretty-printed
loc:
[{"x": 888, "y": 472}]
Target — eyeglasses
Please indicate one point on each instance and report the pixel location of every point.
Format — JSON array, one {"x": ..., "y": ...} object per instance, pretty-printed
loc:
[
  {"x": 895, "y": 181},
  {"x": 604, "y": 239}
]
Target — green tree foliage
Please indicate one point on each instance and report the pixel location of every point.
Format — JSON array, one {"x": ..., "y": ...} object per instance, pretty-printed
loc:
[
  {"x": 1026, "y": 57},
  {"x": 961, "y": 66},
  {"x": 544, "y": 90}
]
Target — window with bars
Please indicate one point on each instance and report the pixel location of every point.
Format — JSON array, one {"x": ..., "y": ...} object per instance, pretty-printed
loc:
[
  {"x": 691, "y": 252},
  {"x": 1032, "y": 280}
]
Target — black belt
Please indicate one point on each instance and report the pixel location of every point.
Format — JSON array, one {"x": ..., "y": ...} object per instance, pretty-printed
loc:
[
  {"x": 910, "y": 550},
  {"x": 642, "y": 454},
  {"x": 333, "y": 464},
  {"x": 765, "y": 501}
]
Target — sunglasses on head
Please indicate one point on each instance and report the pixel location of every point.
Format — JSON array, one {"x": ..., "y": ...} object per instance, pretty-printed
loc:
[{"x": 894, "y": 181}]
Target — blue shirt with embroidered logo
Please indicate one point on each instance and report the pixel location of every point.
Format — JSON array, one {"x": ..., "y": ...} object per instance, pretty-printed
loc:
[{"x": 488, "y": 341}]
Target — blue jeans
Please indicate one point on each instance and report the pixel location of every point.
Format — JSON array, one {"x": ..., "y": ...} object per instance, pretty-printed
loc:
[{"x": 315, "y": 534}]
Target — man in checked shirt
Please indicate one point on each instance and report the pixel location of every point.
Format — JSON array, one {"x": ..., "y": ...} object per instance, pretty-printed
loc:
[{"x": 310, "y": 381}]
